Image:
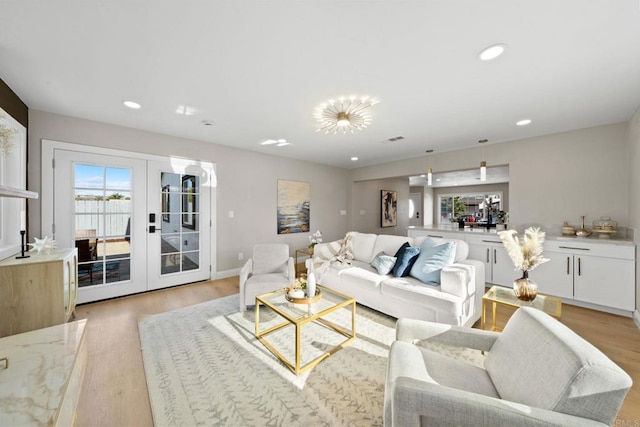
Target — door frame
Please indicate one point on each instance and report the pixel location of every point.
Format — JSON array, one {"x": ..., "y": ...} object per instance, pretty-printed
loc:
[{"x": 47, "y": 219}]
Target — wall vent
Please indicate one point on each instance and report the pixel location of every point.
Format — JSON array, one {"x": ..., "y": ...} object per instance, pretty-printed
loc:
[{"x": 394, "y": 139}]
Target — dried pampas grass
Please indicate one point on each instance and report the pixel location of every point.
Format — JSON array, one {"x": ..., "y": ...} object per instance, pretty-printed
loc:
[{"x": 526, "y": 254}]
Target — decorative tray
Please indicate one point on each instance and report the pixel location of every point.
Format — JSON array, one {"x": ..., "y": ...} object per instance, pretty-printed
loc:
[{"x": 305, "y": 300}]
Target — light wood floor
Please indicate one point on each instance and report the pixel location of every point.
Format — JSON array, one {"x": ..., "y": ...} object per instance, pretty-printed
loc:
[{"x": 114, "y": 392}]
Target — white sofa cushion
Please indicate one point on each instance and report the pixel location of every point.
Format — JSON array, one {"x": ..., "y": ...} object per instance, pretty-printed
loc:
[
  {"x": 414, "y": 291},
  {"x": 390, "y": 244},
  {"x": 363, "y": 246}
]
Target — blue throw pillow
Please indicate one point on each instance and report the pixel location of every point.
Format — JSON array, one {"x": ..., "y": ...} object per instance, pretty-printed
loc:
[
  {"x": 383, "y": 263},
  {"x": 406, "y": 256},
  {"x": 431, "y": 261}
]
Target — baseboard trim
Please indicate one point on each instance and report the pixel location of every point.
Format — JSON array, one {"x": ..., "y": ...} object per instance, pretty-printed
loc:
[
  {"x": 227, "y": 273},
  {"x": 636, "y": 318}
]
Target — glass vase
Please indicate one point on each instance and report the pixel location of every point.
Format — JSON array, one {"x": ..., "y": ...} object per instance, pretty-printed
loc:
[{"x": 524, "y": 288}]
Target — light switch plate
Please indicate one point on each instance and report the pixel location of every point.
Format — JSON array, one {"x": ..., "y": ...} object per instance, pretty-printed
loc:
[
  {"x": 230, "y": 214},
  {"x": 343, "y": 213}
]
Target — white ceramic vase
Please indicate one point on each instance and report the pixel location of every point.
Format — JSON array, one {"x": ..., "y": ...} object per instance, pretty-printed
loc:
[{"x": 311, "y": 280}]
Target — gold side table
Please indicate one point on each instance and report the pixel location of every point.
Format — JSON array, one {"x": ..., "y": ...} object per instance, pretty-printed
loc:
[{"x": 499, "y": 295}]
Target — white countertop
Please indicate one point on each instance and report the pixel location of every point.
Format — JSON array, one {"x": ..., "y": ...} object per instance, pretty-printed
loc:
[
  {"x": 593, "y": 238},
  {"x": 40, "y": 366}
]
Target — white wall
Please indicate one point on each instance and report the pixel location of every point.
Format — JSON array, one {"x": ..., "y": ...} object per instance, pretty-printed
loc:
[
  {"x": 634, "y": 183},
  {"x": 247, "y": 182},
  {"x": 366, "y": 197},
  {"x": 552, "y": 178}
]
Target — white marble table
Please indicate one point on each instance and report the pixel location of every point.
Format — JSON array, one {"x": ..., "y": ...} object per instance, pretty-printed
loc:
[{"x": 42, "y": 384}]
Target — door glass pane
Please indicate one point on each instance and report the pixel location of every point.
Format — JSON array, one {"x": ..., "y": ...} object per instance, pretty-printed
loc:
[
  {"x": 180, "y": 222},
  {"x": 102, "y": 213}
]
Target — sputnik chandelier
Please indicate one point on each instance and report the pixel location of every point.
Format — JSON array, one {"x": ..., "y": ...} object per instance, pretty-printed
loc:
[{"x": 344, "y": 114}]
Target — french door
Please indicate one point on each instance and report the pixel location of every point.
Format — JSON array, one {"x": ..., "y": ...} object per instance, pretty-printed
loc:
[{"x": 138, "y": 224}]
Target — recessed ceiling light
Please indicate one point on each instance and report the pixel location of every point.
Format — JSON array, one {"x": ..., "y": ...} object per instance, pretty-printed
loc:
[
  {"x": 132, "y": 104},
  {"x": 269, "y": 142},
  {"x": 282, "y": 143},
  {"x": 438, "y": 179},
  {"x": 423, "y": 176},
  {"x": 185, "y": 110},
  {"x": 207, "y": 122},
  {"x": 354, "y": 159},
  {"x": 492, "y": 52},
  {"x": 523, "y": 122}
]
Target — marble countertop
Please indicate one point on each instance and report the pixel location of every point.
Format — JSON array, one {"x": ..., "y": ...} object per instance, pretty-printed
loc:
[
  {"x": 617, "y": 239},
  {"x": 40, "y": 364}
]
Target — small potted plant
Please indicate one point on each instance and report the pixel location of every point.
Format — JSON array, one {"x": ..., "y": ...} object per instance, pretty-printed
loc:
[
  {"x": 314, "y": 239},
  {"x": 503, "y": 219}
]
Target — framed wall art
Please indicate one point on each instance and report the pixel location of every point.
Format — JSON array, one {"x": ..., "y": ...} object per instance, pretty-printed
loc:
[
  {"x": 293, "y": 206},
  {"x": 389, "y": 208}
]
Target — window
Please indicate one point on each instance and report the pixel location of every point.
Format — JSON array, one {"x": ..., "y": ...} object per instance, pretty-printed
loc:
[{"x": 474, "y": 208}]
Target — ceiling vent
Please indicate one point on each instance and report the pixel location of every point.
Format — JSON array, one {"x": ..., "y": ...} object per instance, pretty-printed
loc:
[{"x": 394, "y": 139}]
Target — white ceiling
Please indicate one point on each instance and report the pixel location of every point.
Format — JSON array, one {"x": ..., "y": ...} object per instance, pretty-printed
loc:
[{"x": 257, "y": 69}]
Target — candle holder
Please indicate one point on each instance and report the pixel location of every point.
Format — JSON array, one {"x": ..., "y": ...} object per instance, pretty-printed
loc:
[{"x": 23, "y": 245}]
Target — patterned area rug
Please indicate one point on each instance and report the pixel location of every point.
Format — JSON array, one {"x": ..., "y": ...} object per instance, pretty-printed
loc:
[{"x": 205, "y": 367}]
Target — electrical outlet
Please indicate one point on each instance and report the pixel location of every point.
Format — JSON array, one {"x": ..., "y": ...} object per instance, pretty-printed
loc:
[
  {"x": 343, "y": 212},
  {"x": 240, "y": 256}
]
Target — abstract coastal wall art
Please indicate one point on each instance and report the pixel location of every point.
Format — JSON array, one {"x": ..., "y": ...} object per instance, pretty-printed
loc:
[{"x": 293, "y": 206}]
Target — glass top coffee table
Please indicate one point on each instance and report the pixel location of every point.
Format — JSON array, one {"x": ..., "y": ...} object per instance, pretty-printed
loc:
[
  {"x": 298, "y": 315},
  {"x": 499, "y": 295}
]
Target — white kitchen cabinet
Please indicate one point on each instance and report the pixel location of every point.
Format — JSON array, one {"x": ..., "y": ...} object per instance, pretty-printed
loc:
[
  {"x": 594, "y": 273},
  {"x": 555, "y": 277},
  {"x": 498, "y": 267}
]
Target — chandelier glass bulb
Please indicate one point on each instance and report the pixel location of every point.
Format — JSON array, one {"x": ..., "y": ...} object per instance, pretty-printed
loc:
[
  {"x": 344, "y": 114},
  {"x": 483, "y": 171},
  {"x": 429, "y": 176}
]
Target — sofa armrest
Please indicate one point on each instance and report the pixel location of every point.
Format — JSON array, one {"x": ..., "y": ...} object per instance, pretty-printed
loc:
[
  {"x": 412, "y": 330},
  {"x": 458, "y": 279},
  {"x": 245, "y": 272},
  {"x": 414, "y": 403}
]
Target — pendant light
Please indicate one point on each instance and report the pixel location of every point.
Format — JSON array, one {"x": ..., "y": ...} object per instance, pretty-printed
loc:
[
  {"x": 483, "y": 164},
  {"x": 429, "y": 170}
]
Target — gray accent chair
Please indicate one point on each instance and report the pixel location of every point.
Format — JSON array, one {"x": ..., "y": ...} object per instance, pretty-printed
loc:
[
  {"x": 536, "y": 372},
  {"x": 269, "y": 269}
]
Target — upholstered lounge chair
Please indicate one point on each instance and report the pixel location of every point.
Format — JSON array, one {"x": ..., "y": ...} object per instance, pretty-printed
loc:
[
  {"x": 269, "y": 269},
  {"x": 536, "y": 372}
]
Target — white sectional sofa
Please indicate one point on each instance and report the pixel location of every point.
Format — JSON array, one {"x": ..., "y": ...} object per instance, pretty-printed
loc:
[{"x": 456, "y": 301}]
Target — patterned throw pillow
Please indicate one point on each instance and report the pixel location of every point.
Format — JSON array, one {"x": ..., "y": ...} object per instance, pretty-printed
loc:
[
  {"x": 383, "y": 263},
  {"x": 406, "y": 256}
]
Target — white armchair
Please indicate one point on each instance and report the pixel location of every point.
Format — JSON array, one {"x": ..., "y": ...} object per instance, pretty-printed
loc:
[
  {"x": 270, "y": 268},
  {"x": 536, "y": 372}
]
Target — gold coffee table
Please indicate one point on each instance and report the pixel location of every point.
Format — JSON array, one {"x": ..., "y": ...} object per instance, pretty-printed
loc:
[
  {"x": 499, "y": 295},
  {"x": 299, "y": 315}
]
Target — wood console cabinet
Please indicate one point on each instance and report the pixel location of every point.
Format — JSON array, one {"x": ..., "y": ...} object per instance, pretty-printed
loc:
[{"x": 37, "y": 292}]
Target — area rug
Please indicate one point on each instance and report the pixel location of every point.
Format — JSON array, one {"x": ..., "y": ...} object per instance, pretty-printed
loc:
[{"x": 205, "y": 367}]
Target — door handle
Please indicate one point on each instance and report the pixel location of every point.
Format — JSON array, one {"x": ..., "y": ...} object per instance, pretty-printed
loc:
[
  {"x": 152, "y": 229},
  {"x": 568, "y": 265},
  {"x": 495, "y": 258},
  {"x": 488, "y": 255},
  {"x": 579, "y": 268}
]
